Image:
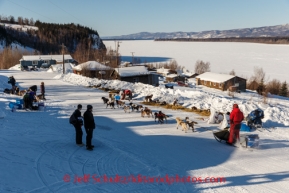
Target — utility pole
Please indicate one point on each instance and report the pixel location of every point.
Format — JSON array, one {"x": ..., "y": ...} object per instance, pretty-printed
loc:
[
  {"x": 117, "y": 46},
  {"x": 63, "y": 67},
  {"x": 132, "y": 57}
]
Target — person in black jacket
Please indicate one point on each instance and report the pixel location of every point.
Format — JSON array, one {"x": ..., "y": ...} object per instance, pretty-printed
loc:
[
  {"x": 33, "y": 88},
  {"x": 77, "y": 125},
  {"x": 89, "y": 125},
  {"x": 42, "y": 90},
  {"x": 12, "y": 81}
]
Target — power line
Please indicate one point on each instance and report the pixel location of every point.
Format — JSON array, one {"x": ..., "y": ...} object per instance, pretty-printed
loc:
[
  {"x": 65, "y": 11},
  {"x": 30, "y": 10}
]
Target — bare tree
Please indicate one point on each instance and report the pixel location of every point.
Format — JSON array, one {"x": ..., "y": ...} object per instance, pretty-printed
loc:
[
  {"x": 202, "y": 67},
  {"x": 20, "y": 20},
  {"x": 232, "y": 72},
  {"x": 173, "y": 65},
  {"x": 259, "y": 74},
  {"x": 273, "y": 86},
  {"x": 26, "y": 21},
  {"x": 11, "y": 19},
  {"x": 10, "y": 57},
  {"x": 31, "y": 21}
]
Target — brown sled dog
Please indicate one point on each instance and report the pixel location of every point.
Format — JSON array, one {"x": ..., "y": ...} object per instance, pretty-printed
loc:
[
  {"x": 146, "y": 111},
  {"x": 191, "y": 124}
]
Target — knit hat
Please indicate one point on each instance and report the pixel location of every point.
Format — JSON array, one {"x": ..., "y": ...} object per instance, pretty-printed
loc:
[
  {"x": 89, "y": 107},
  {"x": 235, "y": 106}
]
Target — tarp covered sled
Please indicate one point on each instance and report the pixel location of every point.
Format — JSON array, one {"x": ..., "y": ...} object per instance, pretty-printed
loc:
[
  {"x": 249, "y": 140},
  {"x": 254, "y": 119}
]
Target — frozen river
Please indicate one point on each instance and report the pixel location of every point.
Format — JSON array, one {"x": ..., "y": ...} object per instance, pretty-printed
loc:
[{"x": 224, "y": 56}]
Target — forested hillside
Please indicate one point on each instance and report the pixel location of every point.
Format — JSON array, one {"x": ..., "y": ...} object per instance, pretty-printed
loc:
[
  {"x": 38, "y": 37},
  {"x": 49, "y": 37}
]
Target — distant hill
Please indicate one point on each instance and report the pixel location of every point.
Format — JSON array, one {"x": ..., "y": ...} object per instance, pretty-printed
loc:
[
  {"x": 47, "y": 37},
  {"x": 270, "y": 31}
]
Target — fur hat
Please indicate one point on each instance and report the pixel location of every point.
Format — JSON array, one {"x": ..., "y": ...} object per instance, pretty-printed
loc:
[{"x": 89, "y": 107}]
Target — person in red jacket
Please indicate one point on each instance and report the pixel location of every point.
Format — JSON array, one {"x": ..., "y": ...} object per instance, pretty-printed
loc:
[
  {"x": 128, "y": 93},
  {"x": 236, "y": 117}
]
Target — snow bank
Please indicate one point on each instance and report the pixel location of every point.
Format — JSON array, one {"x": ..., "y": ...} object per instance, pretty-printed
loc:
[
  {"x": 16, "y": 67},
  {"x": 202, "y": 98},
  {"x": 59, "y": 69}
]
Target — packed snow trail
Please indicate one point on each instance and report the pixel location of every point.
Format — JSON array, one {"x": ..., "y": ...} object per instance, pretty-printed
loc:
[{"x": 38, "y": 151}]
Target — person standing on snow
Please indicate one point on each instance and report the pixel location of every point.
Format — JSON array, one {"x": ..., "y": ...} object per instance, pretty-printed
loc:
[
  {"x": 89, "y": 125},
  {"x": 12, "y": 81},
  {"x": 77, "y": 126},
  {"x": 42, "y": 90},
  {"x": 236, "y": 117},
  {"x": 116, "y": 98}
]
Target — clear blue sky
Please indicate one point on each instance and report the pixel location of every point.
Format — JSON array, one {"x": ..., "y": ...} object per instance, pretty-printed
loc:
[{"x": 122, "y": 17}]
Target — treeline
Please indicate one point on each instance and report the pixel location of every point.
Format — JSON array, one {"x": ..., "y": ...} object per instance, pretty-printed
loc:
[
  {"x": 71, "y": 35},
  {"x": 265, "y": 40},
  {"x": 10, "y": 56},
  {"x": 81, "y": 42},
  {"x": 263, "y": 86},
  {"x": 20, "y": 20},
  {"x": 49, "y": 36}
]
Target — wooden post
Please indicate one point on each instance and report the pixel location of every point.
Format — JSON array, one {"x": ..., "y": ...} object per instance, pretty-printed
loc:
[{"x": 63, "y": 67}]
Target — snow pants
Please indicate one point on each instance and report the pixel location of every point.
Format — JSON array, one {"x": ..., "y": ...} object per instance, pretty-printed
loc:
[
  {"x": 89, "y": 133},
  {"x": 78, "y": 132},
  {"x": 234, "y": 132}
]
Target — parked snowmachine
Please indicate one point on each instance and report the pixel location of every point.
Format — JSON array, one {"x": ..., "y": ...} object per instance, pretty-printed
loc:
[{"x": 254, "y": 119}]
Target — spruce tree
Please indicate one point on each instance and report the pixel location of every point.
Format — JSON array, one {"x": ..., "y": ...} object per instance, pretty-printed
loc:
[
  {"x": 284, "y": 89},
  {"x": 261, "y": 88}
]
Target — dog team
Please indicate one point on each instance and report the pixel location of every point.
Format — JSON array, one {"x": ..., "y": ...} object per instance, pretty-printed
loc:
[{"x": 160, "y": 117}]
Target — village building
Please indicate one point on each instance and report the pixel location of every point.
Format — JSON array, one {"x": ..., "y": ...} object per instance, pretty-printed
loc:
[
  {"x": 187, "y": 74},
  {"x": 136, "y": 74},
  {"x": 175, "y": 78},
  {"x": 43, "y": 60},
  {"x": 221, "y": 81},
  {"x": 163, "y": 71},
  {"x": 93, "y": 69}
]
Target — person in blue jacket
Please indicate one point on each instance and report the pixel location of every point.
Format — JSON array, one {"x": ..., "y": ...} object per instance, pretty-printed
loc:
[{"x": 116, "y": 98}]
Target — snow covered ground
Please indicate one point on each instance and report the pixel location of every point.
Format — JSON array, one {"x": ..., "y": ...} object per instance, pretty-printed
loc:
[
  {"x": 38, "y": 151},
  {"x": 223, "y": 56}
]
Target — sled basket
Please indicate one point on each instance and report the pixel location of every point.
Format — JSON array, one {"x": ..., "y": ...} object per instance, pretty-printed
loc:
[{"x": 221, "y": 136}]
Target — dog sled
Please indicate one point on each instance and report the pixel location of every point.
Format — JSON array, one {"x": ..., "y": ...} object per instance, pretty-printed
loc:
[
  {"x": 246, "y": 140},
  {"x": 16, "y": 105},
  {"x": 254, "y": 119},
  {"x": 22, "y": 104},
  {"x": 171, "y": 86},
  {"x": 222, "y": 136}
]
